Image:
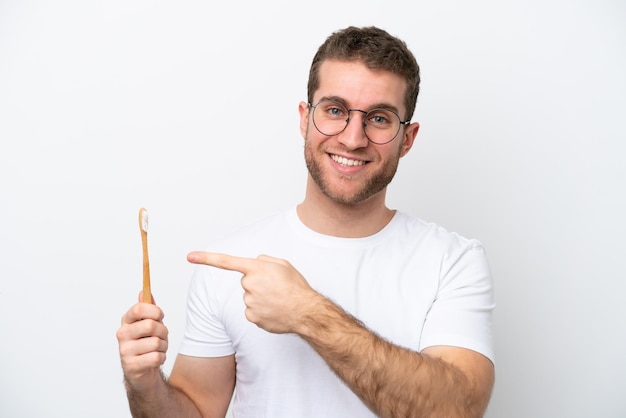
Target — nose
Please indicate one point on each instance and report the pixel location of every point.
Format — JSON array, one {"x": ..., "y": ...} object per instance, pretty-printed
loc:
[{"x": 353, "y": 136}]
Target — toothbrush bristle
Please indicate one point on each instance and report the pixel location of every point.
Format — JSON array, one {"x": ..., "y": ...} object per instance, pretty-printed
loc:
[{"x": 144, "y": 220}]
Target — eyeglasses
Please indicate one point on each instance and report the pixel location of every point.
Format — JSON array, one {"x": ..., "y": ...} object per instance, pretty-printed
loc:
[{"x": 381, "y": 126}]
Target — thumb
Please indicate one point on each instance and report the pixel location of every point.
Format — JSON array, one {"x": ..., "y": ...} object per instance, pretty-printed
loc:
[
  {"x": 140, "y": 298},
  {"x": 270, "y": 259}
]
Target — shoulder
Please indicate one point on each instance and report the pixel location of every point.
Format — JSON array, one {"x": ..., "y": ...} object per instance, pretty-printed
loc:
[
  {"x": 414, "y": 229},
  {"x": 429, "y": 243}
]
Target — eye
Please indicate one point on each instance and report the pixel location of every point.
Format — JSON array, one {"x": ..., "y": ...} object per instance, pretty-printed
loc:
[
  {"x": 380, "y": 118},
  {"x": 334, "y": 110}
]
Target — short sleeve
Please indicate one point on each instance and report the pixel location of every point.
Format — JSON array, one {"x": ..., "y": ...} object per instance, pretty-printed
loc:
[
  {"x": 462, "y": 313},
  {"x": 205, "y": 334}
]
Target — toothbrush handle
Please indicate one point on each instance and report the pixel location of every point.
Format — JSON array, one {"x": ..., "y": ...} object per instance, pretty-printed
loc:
[{"x": 147, "y": 293}]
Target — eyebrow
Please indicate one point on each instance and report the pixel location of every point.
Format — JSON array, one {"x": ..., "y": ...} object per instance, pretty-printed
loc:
[{"x": 343, "y": 102}]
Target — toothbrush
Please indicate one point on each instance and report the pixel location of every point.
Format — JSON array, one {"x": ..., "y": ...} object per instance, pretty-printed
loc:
[{"x": 143, "y": 226}]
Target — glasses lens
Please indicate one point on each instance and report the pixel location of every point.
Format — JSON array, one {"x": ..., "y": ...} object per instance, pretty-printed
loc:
[
  {"x": 381, "y": 125},
  {"x": 330, "y": 118}
]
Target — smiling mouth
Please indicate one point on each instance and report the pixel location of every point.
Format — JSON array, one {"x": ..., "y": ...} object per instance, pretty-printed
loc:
[{"x": 346, "y": 161}]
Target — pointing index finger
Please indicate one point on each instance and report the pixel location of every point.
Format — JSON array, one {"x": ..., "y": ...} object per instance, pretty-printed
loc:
[{"x": 222, "y": 261}]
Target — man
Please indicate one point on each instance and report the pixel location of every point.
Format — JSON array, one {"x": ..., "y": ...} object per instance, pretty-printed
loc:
[{"x": 356, "y": 310}]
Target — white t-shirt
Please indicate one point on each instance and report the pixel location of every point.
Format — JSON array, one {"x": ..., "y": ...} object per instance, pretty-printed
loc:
[{"x": 413, "y": 283}]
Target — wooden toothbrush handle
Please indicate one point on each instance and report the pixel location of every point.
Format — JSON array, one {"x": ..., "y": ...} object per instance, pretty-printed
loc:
[{"x": 147, "y": 293}]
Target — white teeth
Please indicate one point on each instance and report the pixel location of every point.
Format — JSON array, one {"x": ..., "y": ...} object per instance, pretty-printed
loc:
[{"x": 345, "y": 161}]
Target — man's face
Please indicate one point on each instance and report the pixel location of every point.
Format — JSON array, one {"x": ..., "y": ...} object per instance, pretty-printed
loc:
[{"x": 347, "y": 167}]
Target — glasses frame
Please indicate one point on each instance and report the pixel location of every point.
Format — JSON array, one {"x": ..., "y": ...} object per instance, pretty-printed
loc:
[{"x": 365, "y": 113}]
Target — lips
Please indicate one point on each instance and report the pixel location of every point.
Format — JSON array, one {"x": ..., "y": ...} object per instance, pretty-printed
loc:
[{"x": 347, "y": 162}]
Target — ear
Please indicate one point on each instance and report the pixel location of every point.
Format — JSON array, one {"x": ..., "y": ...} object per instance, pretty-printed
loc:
[
  {"x": 303, "y": 109},
  {"x": 410, "y": 132}
]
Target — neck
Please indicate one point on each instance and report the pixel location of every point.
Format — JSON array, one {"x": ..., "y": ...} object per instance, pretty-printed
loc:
[{"x": 328, "y": 217}]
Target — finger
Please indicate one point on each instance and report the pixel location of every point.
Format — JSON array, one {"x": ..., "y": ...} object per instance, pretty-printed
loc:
[
  {"x": 148, "y": 345},
  {"x": 129, "y": 333},
  {"x": 141, "y": 311},
  {"x": 149, "y": 328},
  {"x": 140, "y": 355},
  {"x": 223, "y": 261}
]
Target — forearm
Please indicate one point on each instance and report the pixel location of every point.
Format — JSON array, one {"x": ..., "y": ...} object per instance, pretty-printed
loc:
[
  {"x": 392, "y": 381},
  {"x": 159, "y": 399}
]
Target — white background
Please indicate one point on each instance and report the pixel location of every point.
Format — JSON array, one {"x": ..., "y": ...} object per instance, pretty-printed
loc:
[{"x": 190, "y": 110}]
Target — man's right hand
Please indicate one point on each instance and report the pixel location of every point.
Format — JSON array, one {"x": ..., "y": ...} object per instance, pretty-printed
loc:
[{"x": 143, "y": 342}]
